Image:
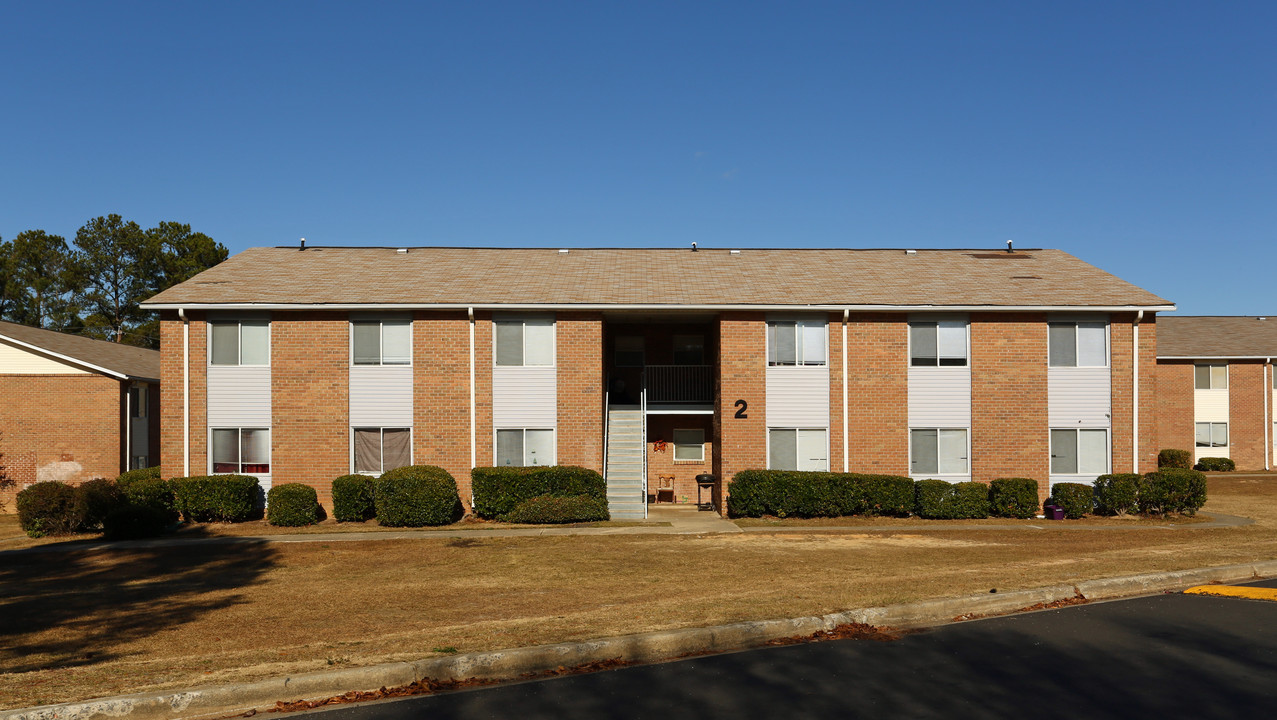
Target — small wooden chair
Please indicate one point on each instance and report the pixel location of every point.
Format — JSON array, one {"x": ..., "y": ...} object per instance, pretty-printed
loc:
[{"x": 665, "y": 484}]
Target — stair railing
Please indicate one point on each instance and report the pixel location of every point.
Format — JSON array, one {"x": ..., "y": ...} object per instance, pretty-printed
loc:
[
  {"x": 607, "y": 431},
  {"x": 643, "y": 440}
]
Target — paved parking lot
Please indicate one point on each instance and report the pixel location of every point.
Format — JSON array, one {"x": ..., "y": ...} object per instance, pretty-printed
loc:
[{"x": 1169, "y": 655}]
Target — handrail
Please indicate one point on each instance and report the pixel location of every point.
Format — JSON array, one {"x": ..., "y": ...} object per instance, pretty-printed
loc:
[{"x": 607, "y": 430}]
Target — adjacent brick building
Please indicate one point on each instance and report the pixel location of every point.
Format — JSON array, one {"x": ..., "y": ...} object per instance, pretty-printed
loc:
[
  {"x": 74, "y": 408},
  {"x": 1215, "y": 387},
  {"x": 655, "y": 366}
]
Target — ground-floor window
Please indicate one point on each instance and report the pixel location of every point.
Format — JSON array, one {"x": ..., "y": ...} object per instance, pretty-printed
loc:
[
  {"x": 1079, "y": 452},
  {"x": 798, "y": 449},
  {"x": 244, "y": 451},
  {"x": 689, "y": 445},
  {"x": 938, "y": 451},
  {"x": 1212, "y": 434},
  {"x": 138, "y": 462},
  {"x": 376, "y": 450},
  {"x": 525, "y": 447}
]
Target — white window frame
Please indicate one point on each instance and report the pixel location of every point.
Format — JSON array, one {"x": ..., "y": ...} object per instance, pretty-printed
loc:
[
  {"x": 797, "y": 431},
  {"x": 799, "y": 324},
  {"x": 700, "y": 446},
  {"x": 554, "y": 445},
  {"x": 239, "y": 341},
  {"x": 270, "y": 450},
  {"x": 1210, "y": 376},
  {"x": 1077, "y": 450},
  {"x": 1108, "y": 346},
  {"x": 523, "y": 321},
  {"x": 382, "y": 428},
  {"x": 937, "y": 322},
  {"x": 1227, "y": 437},
  {"x": 941, "y": 475},
  {"x": 381, "y": 340}
]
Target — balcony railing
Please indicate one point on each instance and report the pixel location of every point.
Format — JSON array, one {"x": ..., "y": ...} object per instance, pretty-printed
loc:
[{"x": 679, "y": 383}]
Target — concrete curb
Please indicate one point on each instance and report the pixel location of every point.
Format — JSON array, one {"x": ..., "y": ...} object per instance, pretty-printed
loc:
[{"x": 223, "y": 700}]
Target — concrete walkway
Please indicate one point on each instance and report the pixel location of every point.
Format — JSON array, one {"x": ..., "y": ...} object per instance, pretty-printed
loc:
[{"x": 662, "y": 520}]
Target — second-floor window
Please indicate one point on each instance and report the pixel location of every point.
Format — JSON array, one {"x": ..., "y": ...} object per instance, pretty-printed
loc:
[
  {"x": 1211, "y": 377},
  {"x": 245, "y": 342},
  {"x": 938, "y": 343},
  {"x": 381, "y": 342},
  {"x": 524, "y": 343},
  {"x": 796, "y": 342},
  {"x": 1078, "y": 344}
]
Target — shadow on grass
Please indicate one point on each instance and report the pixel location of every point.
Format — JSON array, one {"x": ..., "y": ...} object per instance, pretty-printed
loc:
[{"x": 79, "y": 606}]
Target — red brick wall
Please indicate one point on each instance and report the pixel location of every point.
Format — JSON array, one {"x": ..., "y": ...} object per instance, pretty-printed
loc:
[
  {"x": 1009, "y": 397},
  {"x": 742, "y": 376},
  {"x": 310, "y": 399},
  {"x": 579, "y": 362},
  {"x": 1175, "y": 429},
  {"x": 877, "y": 393},
  {"x": 441, "y": 394},
  {"x": 483, "y": 361},
  {"x": 59, "y": 427},
  {"x": 836, "y": 381},
  {"x": 1121, "y": 331},
  {"x": 153, "y": 421},
  {"x": 170, "y": 417},
  {"x": 1246, "y": 397}
]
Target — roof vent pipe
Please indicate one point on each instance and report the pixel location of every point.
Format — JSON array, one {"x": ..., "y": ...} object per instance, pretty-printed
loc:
[
  {"x": 1009, "y": 249},
  {"x": 693, "y": 247},
  {"x": 402, "y": 251},
  {"x": 734, "y": 252},
  {"x": 303, "y": 247}
]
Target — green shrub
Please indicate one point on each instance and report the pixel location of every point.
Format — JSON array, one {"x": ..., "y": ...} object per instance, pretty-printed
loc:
[
  {"x": 154, "y": 493},
  {"x": 47, "y": 508},
  {"x": 417, "y": 495},
  {"x": 352, "y": 498},
  {"x": 128, "y": 478},
  {"x": 93, "y": 501},
  {"x": 883, "y": 495},
  {"x": 939, "y": 500},
  {"x": 1117, "y": 494},
  {"x": 1075, "y": 499},
  {"x": 217, "y": 498},
  {"x": 557, "y": 509},
  {"x": 1172, "y": 490},
  {"x": 497, "y": 490},
  {"x": 292, "y": 505},
  {"x": 1215, "y": 464},
  {"x": 133, "y": 522},
  {"x": 1013, "y": 498},
  {"x": 1175, "y": 459}
]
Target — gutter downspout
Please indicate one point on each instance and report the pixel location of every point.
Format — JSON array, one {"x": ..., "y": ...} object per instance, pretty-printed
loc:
[
  {"x": 846, "y": 447},
  {"x": 128, "y": 425},
  {"x": 473, "y": 433},
  {"x": 186, "y": 393},
  {"x": 1268, "y": 443},
  {"x": 1135, "y": 395}
]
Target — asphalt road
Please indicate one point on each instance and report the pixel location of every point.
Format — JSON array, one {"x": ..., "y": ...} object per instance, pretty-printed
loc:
[{"x": 1164, "y": 656}]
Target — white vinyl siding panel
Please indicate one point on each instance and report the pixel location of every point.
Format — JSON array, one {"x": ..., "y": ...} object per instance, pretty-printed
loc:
[
  {"x": 239, "y": 396},
  {"x": 1210, "y": 405},
  {"x": 524, "y": 397},
  {"x": 1079, "y": 397},
  {"x": 19, "y": 361},
  {"x": 798, "y": 396},
  {"x": 939, "y": 397},
  {"x": 381, "y": 396}
]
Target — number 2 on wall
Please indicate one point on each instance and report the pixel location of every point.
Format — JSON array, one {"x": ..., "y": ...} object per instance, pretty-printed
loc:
[{"x": 741, "y": 407}]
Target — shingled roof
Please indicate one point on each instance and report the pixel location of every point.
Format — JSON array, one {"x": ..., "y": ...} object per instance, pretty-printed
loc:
[
  {"x": 487, "y": 277},
  {"x": 115, "y": 359},
  {"x": 1216, "y": 336}
]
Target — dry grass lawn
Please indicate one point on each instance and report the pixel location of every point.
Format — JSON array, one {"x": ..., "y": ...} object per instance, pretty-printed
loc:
[{"x": 96, "y": 621}]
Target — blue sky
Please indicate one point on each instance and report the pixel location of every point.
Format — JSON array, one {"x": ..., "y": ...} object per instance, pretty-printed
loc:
[{"x": 1141, "y": 137}]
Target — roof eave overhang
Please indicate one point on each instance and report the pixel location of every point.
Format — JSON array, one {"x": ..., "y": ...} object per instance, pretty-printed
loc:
[
  {"x": 1217, "y": 357},
  {"x": 651, "y": 306},
  {"x": 72, "y": 361}
]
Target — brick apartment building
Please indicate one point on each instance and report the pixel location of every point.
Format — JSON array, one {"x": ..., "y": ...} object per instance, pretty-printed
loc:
[
  {"x": 74, "y": 408},
  {"x": 656, "y": 365},
  {"x": 1215, "y": 387}
]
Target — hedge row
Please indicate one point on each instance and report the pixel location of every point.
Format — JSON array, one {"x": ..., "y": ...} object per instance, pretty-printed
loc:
[
  {"x": 1183, "y": 459},
  {"x": 498, "y": 491},
  {"x": 785, "y": 493}
]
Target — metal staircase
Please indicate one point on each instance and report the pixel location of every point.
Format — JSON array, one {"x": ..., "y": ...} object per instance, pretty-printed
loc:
[{"x": 626, "y": 464}]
